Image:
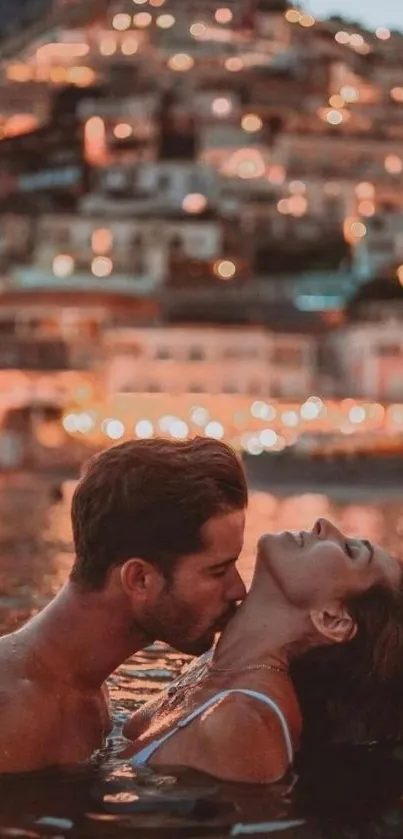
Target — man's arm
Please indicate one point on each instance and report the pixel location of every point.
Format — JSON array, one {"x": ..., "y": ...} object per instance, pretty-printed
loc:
[
  {"x": 141, "y": 719},
  {"x": 26, "y": 743}
]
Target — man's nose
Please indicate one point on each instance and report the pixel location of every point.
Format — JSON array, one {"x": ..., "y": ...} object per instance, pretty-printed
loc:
[{"x": 237, "y": 589}]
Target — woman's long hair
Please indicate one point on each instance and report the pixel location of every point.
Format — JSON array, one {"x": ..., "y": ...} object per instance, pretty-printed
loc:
[{"x": 353, "y": 692}]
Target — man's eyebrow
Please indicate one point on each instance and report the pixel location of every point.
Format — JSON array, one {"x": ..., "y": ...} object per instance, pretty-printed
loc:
[
  {"x": 370, "y": 548},
  {"x": 225, "y": 562}
]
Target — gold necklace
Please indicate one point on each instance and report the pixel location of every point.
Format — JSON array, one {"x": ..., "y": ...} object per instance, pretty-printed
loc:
[{"x": 208, "y": 668}]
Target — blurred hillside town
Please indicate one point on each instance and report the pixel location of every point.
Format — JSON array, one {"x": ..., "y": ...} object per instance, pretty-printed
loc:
[{"x": 201, "y": 224}]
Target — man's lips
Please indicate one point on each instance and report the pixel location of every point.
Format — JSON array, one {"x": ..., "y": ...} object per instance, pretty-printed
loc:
[{"x": 222, "y": 623}]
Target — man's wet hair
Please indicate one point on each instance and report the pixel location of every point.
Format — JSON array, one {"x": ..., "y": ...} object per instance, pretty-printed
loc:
[
  {"x": 353, "y": 692},
  {"x": 150, "y": 499}
]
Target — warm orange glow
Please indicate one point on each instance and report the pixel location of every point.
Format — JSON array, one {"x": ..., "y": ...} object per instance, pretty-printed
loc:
[
  {"x": 165, "y": 21},
  {"x": 225, "y": 269},
  {"x": 336, "y": 101},
  {"x": 354, "y": 229},
  {"x": 246, "y": 164},
  {"x": 58, "y": 75},
  {"x": 19, "y": 72},
  {"x": 307, "y": 21},
  {"x": 393, "y": 164},
  {"x": 121, "y": 21},
  {"x": 342, "y": 37},
  {"x": 101, "y": 266},
  {"x": 122, "y": 131},
  {"x": 400, "y": 274},
  {"x": 194, "y": 203},
  {"x": 129, "y": 45},
  {"x": 365, "y": 190},
  {"x": 397, "y": 94},
  {"x": 63, "y": 265},
  {"x": 61, "y": 51},
  {"x": 221, "y": 107},
  {"x": 356, "y": 40},
  {"x": 101, "y": 241},
  {"x": 350, "y": 93},
  {"x": 107, "y": 46},
  {"x": 142, "y": 20},
  {"x": 298, "y": 205},
  {"x": 366, "y": 208},
  {"x": 20, "y": 124},
  {"x": 81, "y": 76},
  {"x": 234, "y": 64},
  {"x": 181, "y": 62},
  {"x": 382, "y": 33},
  {"x": 276, "y": 175},
  {"x": 198, "y": 30},
  {"x": 95, "y": 141},
  {"x": 334, "y": 117},
  {"x": 157, "y": 3},
  {"x": 251, "y": 123},
  {"x": 223, "y": 16},
  {"x": 283, "y": 207},
  {"x": 269, "y": 425},
  {"x": 293, "y": 15}
]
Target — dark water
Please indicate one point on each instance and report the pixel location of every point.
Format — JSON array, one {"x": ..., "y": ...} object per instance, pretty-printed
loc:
[{"x": 356, "y": 795}]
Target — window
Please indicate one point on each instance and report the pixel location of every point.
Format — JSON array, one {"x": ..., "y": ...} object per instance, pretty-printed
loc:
[
  {"x": 164, "y": 182},
  {"x": 288, "y": 356},
  {"x": 254, "y": 386},
  {"x": 196, "y": 354},
  {"x": 195, "y": 387},
  {"x": 389, "y": 350},
  {"x": 62, "y": 237},
  {"x": 163, "y": 353}
]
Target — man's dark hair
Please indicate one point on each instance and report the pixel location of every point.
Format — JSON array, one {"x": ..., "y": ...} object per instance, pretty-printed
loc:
[
  {"x": 352, "y": 692},
  {"x": 150, "y": 499}
]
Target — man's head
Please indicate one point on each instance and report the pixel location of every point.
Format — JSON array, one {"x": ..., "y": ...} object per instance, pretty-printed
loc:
[
  {"x": 166, "y": 519},
  {"x": 314, "y": 574}
]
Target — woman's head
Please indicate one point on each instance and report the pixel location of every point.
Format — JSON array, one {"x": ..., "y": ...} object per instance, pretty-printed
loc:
[
  {"x": 352, "y": 693},
  {"x": 320, "y": 575}
]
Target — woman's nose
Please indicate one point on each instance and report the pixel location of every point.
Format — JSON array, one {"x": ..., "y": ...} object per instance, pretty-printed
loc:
[{"x": 324, "y": 529}]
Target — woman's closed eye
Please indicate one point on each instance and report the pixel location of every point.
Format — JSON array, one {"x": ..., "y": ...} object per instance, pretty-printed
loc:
[{"x": 352, "y": 549}]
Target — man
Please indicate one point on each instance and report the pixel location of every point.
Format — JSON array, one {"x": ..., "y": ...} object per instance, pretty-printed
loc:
[{"x": 157, "y": 527}]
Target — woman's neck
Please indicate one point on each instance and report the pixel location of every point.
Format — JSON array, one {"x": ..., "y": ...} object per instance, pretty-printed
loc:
[{"x": 256, "y": 636}]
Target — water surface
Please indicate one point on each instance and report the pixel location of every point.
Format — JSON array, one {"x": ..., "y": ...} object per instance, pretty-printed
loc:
[{"x": 355, "y": 795}]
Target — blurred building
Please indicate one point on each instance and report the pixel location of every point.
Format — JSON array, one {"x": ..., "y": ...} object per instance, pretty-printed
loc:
[
  {"x": 200, "y": 163},
  {"x": 213, "y": 360}
]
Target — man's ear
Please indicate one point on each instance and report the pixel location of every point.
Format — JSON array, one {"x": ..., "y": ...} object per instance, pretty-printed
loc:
[
  {"x": 140, "y": 578},
  {"x": 334, "y": 623}
]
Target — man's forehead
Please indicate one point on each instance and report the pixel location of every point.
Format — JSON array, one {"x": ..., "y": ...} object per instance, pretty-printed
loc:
[{"x": 224, "y": 534}]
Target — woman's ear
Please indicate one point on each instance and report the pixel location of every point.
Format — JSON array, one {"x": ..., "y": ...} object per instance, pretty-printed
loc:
[{"x": 334, "y": 624}]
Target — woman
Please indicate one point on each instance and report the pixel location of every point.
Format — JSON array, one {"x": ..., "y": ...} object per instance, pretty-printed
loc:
[{"x": 235, "y": 712}]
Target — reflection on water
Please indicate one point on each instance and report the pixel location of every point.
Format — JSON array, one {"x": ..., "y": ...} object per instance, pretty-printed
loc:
[{"x": 350, "y": 795}]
